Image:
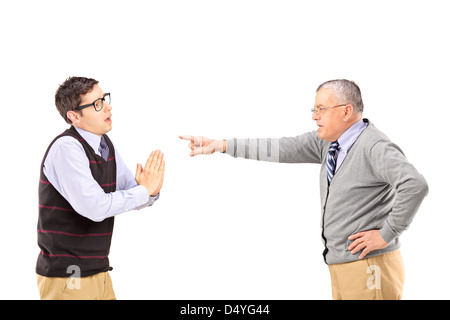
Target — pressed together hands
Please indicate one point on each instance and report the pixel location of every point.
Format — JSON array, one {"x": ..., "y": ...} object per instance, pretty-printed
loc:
[{"x": 151, "y": 176}]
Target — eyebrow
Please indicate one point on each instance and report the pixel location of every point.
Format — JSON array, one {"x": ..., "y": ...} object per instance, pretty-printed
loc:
[
  {"x": 99, "y": 98},
  {"x": 91, "y": 102}
]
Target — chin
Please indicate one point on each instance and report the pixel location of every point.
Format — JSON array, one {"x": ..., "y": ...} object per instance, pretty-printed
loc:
[
  {"x": 323, "y": 137},
  {"x": 108, "y": 129}
]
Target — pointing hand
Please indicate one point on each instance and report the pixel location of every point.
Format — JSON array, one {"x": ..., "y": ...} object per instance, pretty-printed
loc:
[{"x": 202, "y": 145}]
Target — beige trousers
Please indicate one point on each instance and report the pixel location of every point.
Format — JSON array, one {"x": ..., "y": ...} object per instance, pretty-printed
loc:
[
  {"x": 96, "y": 287},
  {"x": 377, "y": 278}
]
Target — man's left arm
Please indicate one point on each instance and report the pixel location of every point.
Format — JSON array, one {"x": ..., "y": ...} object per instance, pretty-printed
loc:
[
  {"x": 410, "y": 185},
  {"x": 411, "y": 188}
]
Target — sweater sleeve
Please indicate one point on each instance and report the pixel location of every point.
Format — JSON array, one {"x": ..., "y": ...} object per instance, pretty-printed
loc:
[
  {"x": 305, "y": 148},
  {"x": 410, "y": 186}
]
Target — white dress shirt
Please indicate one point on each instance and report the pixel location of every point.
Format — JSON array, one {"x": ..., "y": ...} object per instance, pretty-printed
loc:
[{"x": 67, "y": 169}]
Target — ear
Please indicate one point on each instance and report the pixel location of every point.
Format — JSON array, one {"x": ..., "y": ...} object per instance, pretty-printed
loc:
[
  {"x": 74, "y": 117},
  {"x": 348, "y": 112}
]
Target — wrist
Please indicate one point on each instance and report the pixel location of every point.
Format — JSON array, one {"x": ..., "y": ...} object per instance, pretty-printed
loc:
[
  {"x": 149, "y": 191},
  {"x": 223, "y": 146}
]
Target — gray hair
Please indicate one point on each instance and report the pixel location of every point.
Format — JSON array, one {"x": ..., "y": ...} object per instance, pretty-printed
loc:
[{"x": 346, "y": 91}]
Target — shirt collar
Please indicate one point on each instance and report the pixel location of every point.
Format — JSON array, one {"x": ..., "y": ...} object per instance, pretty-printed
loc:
[
  {"x": 91, "y": 138},
  {"x": 348, "y": 138}
]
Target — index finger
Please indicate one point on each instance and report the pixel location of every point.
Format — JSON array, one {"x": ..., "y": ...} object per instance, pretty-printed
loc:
[
  {"x": 356, "y": 235},
  {"x": 150, "y": 159},
  {"x": 190, "y": 138}
]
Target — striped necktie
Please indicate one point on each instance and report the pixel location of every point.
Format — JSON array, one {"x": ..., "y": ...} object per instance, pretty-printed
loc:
[
  {"x": 331, "y": 160},
  {"x": 103, "y": 149}
]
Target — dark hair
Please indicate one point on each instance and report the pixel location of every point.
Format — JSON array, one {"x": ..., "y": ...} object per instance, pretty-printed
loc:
[
  {"x": 346, "y": 91},
  {"x": 69, "y": 94}
]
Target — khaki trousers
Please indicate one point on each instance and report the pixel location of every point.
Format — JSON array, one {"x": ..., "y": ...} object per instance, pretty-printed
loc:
[
  {"x": 96, "y": 287},
  {"x": 377, "y": 278}
]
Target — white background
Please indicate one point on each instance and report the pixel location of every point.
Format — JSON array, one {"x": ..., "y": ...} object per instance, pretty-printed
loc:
[{"x": 223, "y": 228}]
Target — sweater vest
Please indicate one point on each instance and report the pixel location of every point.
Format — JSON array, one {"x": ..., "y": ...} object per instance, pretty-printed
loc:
[{"x": 70, "y": 243}]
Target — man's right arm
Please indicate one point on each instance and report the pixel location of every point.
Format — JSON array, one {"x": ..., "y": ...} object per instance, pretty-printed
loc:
[
  {"x": 74, "y": 181},
  {"x": 305, "y": 148}
]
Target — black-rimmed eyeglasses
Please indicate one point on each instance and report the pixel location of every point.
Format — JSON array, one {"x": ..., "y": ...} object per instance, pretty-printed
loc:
[{"x": 98, "y": 104}]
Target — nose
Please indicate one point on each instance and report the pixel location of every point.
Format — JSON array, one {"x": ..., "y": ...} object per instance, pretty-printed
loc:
[
  {"x": 315, "y": 116},
  {"x": 107, "y": 106}
]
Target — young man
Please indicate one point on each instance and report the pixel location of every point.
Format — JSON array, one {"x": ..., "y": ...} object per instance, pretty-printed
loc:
[
  {"x": 369, "y": 191},
  {"x": 83, "y": 184}
]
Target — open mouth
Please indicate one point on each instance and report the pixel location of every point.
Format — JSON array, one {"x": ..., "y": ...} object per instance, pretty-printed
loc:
[{"x": 108, "y": 120}]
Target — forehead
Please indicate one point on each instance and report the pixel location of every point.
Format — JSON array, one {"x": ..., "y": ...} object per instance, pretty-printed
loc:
[
  {"x": 325, "y": 97},
  {"x": 92, "y": 95}
]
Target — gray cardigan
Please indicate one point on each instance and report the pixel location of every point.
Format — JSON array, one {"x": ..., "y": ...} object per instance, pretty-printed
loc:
[{"x": 374, "y": 188}]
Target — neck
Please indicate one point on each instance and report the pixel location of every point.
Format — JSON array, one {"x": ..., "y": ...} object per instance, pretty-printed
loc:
[
  {"x": 87, "y": 129},
  {"x": 354, "y": 119}
]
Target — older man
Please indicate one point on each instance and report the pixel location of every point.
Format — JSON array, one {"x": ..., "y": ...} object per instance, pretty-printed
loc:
[{"x": 369, "y": 191}]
